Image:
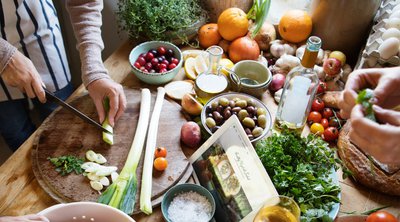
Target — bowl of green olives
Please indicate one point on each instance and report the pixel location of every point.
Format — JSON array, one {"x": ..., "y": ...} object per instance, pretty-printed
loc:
[{"x": 252, "y": 113}]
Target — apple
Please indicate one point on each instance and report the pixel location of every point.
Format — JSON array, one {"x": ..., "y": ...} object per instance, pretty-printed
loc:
[
  {"x": 332, "y": 66},
  {"x": 338, "y": 55}
]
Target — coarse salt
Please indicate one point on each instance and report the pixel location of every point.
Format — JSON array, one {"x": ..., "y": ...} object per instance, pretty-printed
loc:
[{"x": 189, "y": 206}]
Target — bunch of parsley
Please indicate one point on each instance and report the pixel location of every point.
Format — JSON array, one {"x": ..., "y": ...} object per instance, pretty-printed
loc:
[
  {"x": 300, "y": 168},
  {"x": 153, "y": 18}
]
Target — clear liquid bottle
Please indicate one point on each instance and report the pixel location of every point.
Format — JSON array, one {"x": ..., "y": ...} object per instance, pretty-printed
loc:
[
  {"x": 211, "y": 83},
  {"x": 299, "y": 90}
]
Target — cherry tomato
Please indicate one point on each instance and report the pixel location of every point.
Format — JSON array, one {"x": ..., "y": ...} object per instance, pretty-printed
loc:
[
  {"x": 330, "y": 134},
  {"x": 160, "y": 163},
  {"x": 317, "y": 128},
  {"x": 318, "y": 105},
  {"x": 314, "y": 117},
  {"x": 327, "y": 112},
  {"x": 381, "y": 216},
  {"x": 321, "y": 87},
  {"x": 334, "y": 122},
  {"x": 161, "y": 50},
  {"x": 160, "y": 152},
  {"x": 325, "y": 122}
]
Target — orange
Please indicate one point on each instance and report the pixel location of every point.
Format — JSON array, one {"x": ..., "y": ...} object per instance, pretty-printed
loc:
[
  {"x": 295, "y": 26},
  {"x": 233, "y": 23},
  {"x": 209, "y": 35},
  {"x": 244, "y": 48}
]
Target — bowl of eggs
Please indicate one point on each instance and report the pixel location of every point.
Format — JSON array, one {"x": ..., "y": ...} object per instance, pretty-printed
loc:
[{"x": 156, "y": 62}]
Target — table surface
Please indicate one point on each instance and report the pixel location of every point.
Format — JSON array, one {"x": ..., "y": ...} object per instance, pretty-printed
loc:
[{"x": 21, "y": 194}]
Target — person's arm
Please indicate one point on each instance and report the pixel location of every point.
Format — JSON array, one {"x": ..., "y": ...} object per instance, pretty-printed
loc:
[
  {"x": 86, "y": 20},
  {"x": 18, "y": 71}
]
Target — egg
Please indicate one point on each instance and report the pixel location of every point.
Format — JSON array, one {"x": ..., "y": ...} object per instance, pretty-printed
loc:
[
  {"x": 392, "y": 23},
  {"x": 392, "y": 32},
  {"x": 395, "y": 14},
  {"x": 396, "y": 8},
  {"x": 389, "y": 48}
]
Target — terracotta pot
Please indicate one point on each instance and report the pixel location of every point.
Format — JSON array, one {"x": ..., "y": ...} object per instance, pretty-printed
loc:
[{"x": 216, "y": 7}]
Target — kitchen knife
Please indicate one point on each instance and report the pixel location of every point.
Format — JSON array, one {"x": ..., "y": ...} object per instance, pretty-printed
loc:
[{"x": 53, "y": 98}]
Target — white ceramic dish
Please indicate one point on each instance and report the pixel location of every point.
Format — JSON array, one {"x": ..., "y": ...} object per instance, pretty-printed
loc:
[{"x": 84, "y": 211}]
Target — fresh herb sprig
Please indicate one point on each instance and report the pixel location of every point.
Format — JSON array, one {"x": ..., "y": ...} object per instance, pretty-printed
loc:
[
  {"x": 153, "y": 18},
  {"x": 67, "y": 164},
  {"x": 300, "y": 168},
  {"x": 365, "y": 99}
]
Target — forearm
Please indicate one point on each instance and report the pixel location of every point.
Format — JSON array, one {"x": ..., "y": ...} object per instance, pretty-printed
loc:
[
  {"x": 86, "y": 21},
  {"x": 6, "y": 52}
]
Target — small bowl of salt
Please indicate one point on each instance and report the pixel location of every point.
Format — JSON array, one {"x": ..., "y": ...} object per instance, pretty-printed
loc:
[{"x": 188, "y": 202}]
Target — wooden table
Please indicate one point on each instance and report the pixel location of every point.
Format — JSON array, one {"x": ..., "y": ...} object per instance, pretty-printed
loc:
[{"x": 21, "y": 194}]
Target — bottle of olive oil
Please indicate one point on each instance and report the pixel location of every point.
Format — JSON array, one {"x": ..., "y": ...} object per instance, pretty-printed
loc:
[
  {"x": 211, "y": 83},
  {"x": 299, "y": 90}
]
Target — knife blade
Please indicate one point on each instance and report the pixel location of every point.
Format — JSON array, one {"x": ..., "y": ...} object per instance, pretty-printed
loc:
[{"x": 53, "y": 98}]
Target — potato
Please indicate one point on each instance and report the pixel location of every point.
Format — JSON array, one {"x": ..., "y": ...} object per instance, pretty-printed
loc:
[{"x": 191, "y": 134}]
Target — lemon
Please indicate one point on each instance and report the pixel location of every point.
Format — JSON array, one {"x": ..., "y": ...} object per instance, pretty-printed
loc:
[
  {"x": 191, "y": 53},
  {"x": 201, "y": 63},
  {"x": 189, "y": 68},
  {"x": 226, "y": 63}
]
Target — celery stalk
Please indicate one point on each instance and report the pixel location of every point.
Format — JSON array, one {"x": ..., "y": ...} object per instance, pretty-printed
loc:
[
  {"x": 121, "y": 193},
  {"x": 145, "y": 193}
]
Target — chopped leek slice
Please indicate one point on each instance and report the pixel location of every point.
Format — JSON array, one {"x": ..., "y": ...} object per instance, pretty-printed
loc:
[{"x": 107, "y": 137}]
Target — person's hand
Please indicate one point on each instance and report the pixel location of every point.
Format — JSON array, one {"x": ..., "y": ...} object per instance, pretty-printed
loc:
[
  {"x": 21, "y": 73},
  {"x": 102, "y": 88},
  {"x": 382, "y": 141},
  {"x": 386, "y": 82},
  {"x": 26, "y": 218}
]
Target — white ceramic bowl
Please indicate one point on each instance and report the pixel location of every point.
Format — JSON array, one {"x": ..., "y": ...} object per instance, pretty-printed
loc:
[{"x": 84, "y": 211}]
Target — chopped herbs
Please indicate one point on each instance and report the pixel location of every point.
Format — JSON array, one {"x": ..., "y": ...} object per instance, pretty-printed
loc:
[
  {"x": 67, "y": 164},
  {"x": 300, "y": 168},
  {"x": 365, "y": 99}
]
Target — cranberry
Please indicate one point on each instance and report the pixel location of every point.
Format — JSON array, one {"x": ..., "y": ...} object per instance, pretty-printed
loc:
[
  {"x": 148, "y": 66},
  {"x": 154, "y": 62},
  {"x": 171, "y": 66},
  {"x": 154, "y": 52},
  {"x": 169, "y": 53},
  {"x": 149, "y": 56},
  {"x": 137, "y": 65},
  {"x": 163, "y": 70},
  {"x": 174, "y": 60},
  {"x": 143, "y": 69},
  {"x": 160, "y": 59},
  {"x": 141, "y": 60},
  {"x": 143, "y": 55},
  {"x": 162, "y": 66},
  {"x": 165, "y": 62},
  {"x": 161, "y": 50},
  {"x": 152, "y": 71}
]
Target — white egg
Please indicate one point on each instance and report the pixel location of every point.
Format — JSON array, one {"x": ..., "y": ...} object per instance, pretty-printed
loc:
[
  {"x": 392, "y": 23},
  {"x": 389, "y": 48},
  {"x": 395, "y": 14},
  {"x": 392, "y": 32},
  {"x": 396, "y": 8}
]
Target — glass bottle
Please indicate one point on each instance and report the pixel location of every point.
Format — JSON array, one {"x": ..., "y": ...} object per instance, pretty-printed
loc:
[
  {"x": 299, "y": 90},
  {"x": 211, "y": 83}
]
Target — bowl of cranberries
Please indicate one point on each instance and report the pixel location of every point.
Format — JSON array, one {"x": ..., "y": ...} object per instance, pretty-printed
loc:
[{"x": 156, "y": 62}]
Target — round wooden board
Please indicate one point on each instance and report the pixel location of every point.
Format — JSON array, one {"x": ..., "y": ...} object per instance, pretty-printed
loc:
[{"x": 63, "y": 133}]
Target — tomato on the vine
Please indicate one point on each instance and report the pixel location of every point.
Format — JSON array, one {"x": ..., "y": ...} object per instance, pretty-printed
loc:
[
  {"x": 334, "y": 122},
  {"x": 314, "y": 117},
  {"x": 327, "y": 112},
  {"x": 318, "y": 105},
  {"x": 160, "y": 163},
  {"x": 325, "y": 123},
  {"x": 381, "y": 216},
  {"x": 160, "y": 152},
  {"x": 330, "y": 134}
]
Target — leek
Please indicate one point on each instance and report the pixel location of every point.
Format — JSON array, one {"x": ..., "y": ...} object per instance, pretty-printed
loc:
[
  {"x": 122, "y": 192},
  {"x": 145, "y": 193},
  {"x": 258, "y": 12},
  {"x": 107, "y": 137}
]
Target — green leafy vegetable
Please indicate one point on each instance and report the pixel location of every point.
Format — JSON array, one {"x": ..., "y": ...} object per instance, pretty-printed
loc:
[
  {"x": 67, "y": 164},
  {"x": 153, "y": 18},
  {"x": 300, "y": 168},
  {"x": 365, "y": 99},
  {"x": 259, "y": 12}
]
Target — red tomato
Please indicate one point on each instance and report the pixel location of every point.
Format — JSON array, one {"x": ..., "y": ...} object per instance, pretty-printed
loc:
[
  {"x": 321, "y": 87},
  {"x": 314, "y": 117},
  {"x": 327, "y": 112},
  {"x": 160, "y": 152},
  {"x": 325, "y": 123},
  {"x": 318, "y": 105},
  {"x": 334, "y": 122},
  {"x": 330, "y": 134},
  {"x": 381, "y": 216}
]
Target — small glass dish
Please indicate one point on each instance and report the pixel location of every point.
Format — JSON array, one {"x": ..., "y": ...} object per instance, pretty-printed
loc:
[{"x": 278, "y": 208}]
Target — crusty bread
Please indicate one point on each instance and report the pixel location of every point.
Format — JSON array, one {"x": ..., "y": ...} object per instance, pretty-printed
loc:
[{"x": 365, "y": 171}]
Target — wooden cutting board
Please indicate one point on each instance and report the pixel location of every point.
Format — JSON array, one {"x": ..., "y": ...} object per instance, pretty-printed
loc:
[{"x": 63, "y": 133}]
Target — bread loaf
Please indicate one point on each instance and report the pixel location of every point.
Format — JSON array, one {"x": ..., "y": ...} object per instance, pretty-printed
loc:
[{"x": 365, "y": 171}]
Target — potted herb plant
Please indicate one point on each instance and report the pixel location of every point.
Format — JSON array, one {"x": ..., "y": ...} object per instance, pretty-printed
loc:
[{"x": 169, "y": 20}]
